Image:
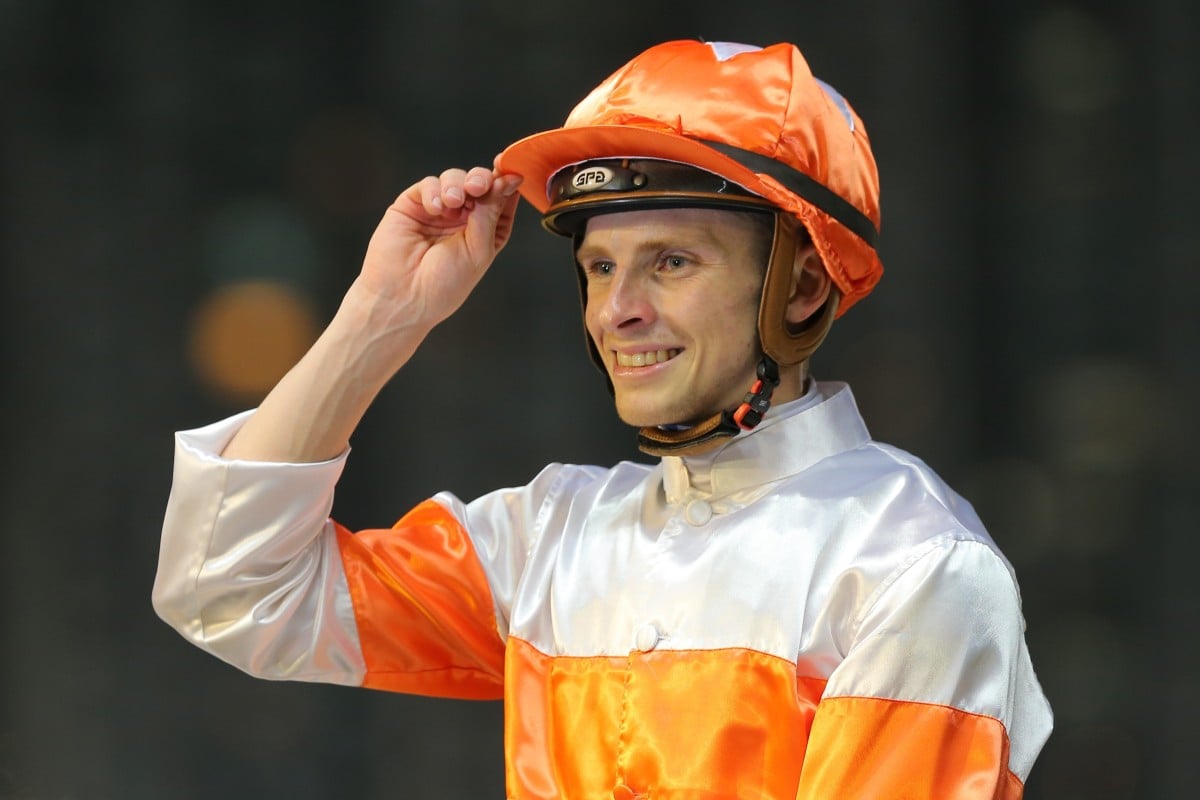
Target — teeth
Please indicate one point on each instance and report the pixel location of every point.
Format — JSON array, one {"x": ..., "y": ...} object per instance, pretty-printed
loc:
[{"x": 645, "y": 359}]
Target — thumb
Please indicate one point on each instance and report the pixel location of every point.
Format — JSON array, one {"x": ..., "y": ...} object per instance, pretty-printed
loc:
[{"x": 490, "y": 223}]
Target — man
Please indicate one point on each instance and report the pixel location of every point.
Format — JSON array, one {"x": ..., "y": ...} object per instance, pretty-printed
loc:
[{"x": 780, "y": 608}]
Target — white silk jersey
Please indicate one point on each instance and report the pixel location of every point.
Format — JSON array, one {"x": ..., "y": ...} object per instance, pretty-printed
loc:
[{"x": 804, "y": 613}]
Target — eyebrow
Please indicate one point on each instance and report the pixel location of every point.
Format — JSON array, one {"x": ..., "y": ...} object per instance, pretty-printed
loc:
[{"x": 704, "y": 239}]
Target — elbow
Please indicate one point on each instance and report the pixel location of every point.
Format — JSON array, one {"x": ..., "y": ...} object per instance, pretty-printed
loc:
[{"x": 175, "y": 604}]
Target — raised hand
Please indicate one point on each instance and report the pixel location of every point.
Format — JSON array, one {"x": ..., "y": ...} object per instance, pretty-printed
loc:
[
  {"x": 435, "y": 242},
  {"x": 429, "y": 251}
]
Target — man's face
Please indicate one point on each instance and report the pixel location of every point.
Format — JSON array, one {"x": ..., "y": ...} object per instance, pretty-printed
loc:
[{"x": 672, "y": 306}]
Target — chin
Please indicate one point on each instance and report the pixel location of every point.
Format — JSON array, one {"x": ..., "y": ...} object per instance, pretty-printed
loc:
[
  {"x": 637, "y": 420},
  {"x": 640, "y": 415}
]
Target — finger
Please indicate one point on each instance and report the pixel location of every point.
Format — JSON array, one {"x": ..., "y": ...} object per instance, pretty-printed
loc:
[
  {"x": 478, "y": 181},
  {"x": 503, "y": 189},
  {"x": 507, "y": 184},
  {"x": 429, "y": 193},
  {"x": 452, "y": 192},
  {"x": 491, "y": 222},
  {"x": 504, "y": 223}
]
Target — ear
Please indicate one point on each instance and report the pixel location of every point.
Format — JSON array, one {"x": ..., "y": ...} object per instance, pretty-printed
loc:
[{"x": 810, "y": 285}]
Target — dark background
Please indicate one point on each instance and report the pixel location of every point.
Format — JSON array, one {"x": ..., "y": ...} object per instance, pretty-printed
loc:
[{"x": 1033, "y": 339}]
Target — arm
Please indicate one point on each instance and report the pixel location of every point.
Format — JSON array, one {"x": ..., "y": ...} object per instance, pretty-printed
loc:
[
  {"x": 429, "y": 251},
  {"x": 250, "y": 567},
  {"x": 252, "y": 571},
  {"x": 936, "y": 697}
]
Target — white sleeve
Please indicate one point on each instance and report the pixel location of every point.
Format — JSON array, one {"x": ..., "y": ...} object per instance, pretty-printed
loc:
[
  {"x": 249, "y": 568},
  {"x": 946, "y": 628}
]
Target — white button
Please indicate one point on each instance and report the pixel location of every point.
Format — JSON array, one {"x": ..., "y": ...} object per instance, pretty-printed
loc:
[
  {"x": 698, "y": 512},
  {"x": 646, "y": 637}
]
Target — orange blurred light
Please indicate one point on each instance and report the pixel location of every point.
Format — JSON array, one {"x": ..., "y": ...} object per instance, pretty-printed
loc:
[{"x": 245, "y": 336}]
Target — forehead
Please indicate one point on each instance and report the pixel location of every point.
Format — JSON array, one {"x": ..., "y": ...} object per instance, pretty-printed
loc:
[{"x": 716, "y": 227}]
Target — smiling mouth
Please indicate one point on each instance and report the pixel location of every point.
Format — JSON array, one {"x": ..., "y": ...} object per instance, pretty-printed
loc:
[{"x": 646, "y": 359}]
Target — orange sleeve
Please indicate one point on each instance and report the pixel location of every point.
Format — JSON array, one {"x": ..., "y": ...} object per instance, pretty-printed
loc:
[
  {"x": 423, "y": 607},
  {"x": 873, "y": 747}
]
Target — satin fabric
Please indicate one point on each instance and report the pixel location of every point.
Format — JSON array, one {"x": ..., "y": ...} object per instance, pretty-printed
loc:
[
  {"x": 743, "y": 720},
  {"x": 919, "y": 751},
  {"x": 668, "y": 724},
  {"x": 423, "y": 609},
  {"x": 669, "y": 99},
  {"x": 666, "y": 630},
  {"x": 245, "y": 570}
]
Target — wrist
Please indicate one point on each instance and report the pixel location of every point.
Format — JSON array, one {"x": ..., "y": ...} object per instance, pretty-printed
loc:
[{"x": 375, "y": 316}]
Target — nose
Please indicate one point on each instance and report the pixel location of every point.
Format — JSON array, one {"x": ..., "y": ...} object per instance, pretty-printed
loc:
[{"x": 621, "y": 303}]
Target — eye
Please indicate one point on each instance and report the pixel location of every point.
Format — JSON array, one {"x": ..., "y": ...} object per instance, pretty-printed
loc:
[
  {"x": 598, "y": 268},
  {"x": 674, "y": 261}
]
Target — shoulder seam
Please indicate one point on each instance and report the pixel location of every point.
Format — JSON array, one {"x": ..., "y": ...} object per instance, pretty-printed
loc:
[{"x": 918, "y": 554}]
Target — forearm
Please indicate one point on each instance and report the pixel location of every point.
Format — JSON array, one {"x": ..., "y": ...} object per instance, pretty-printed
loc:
[
  {"x": 310, "y": 415},
  {"x": 428, "y": 252}
]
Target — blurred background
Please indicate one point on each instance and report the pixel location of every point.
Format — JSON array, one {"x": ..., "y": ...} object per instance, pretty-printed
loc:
[{"x": 187, "y": 190}]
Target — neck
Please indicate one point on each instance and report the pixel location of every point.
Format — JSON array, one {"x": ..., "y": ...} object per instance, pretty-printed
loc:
[
  {"x": 714, "y": 431},
  {"x": 793, "y": 382}
]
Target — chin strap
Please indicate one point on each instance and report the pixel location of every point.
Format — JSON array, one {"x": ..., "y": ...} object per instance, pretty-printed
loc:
[
  {"x": 708, "y": 434},
  {"x": 756, "y": 402}
]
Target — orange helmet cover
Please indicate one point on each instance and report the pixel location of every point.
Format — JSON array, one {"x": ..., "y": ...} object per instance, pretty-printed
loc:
[{"x": 703, "y": 104}]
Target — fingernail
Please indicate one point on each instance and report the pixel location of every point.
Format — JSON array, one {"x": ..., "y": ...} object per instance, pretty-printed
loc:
[
  {"x": 511, "y": 184},
  {"x": 476, "y": 182},
  {"x": 454, "y": 193}
]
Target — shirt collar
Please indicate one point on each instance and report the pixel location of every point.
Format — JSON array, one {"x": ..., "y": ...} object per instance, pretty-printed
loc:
[{"x": 822, "y": 423}]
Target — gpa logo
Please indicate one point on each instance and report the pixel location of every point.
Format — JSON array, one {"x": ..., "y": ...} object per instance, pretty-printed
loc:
[{"x": 592, "y": 178}]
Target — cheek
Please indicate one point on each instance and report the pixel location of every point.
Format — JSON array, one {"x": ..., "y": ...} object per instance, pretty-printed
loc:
[
  {"x": 733, "y": 331},
  {"x": 737, "y": 315}
]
